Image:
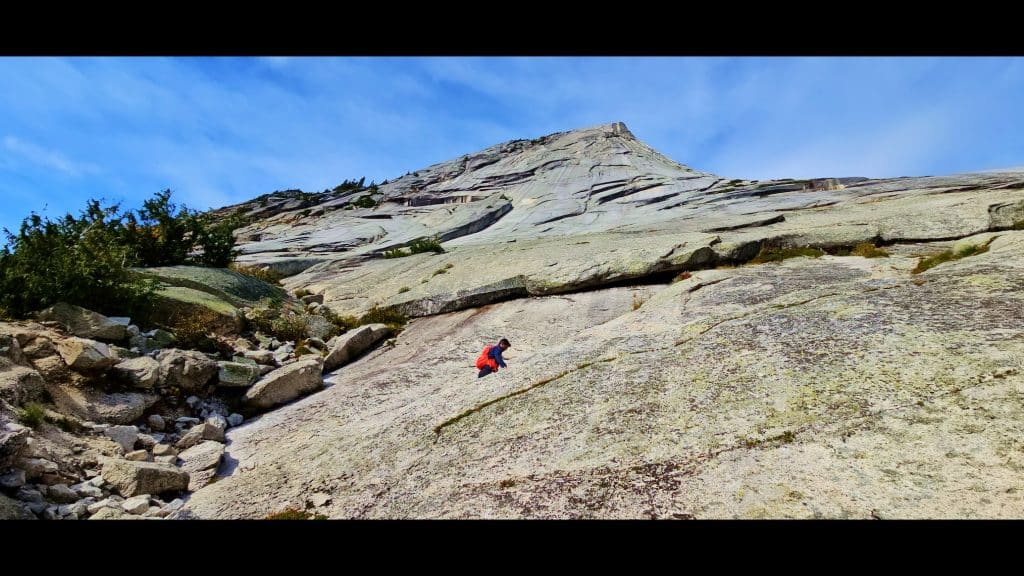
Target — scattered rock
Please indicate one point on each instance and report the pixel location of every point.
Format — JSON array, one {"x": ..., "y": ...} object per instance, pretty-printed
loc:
[
  {"x": 350, "y": 345},
  {"x": 13, "y": 440},
  {"x": 156, "y": 422},
  {"x": 108, "y": 513},
  {"x": 125, "y": 436},
  {"x": 235, "y": 420},
  {"x": 88, "y": 356},
  {"x": 141, "y": 372},
  {"x": 136, "y": 504},
  {"x": 36, "y": 467},
  {"x": 14, "y": 510},
  {"x": 61, "y": 494},
  {"x": 89, "y": 404},
  {"x": 12, "y": 480},
  {"x": 164, "y": 450},
  {"x": 201, "y": 456},
  {"x": 235, "y": 374},
  {"x": 137, "y": 456},
  {"x": 319, "y": 499},
  {"x": 85, "y": 323},
  {"x": 134, "y": 478},
  {"x": 201, "y": 478},
  {"x": 185, "y": 369},
  {"x": 310, "y": 298},
  {"x": 166, "y": 459},
  {"x": 265, "y": 357}
]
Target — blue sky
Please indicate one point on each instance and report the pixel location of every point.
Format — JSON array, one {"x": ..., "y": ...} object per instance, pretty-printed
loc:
[{"x": 222, "y": 130}]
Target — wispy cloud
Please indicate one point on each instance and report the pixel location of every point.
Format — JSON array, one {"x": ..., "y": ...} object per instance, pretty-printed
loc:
[
  {"x": 48, "y": 158},
  {"x": 222, "y": 130}
]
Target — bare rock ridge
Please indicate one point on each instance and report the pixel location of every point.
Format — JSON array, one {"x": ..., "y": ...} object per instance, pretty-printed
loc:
[{"x": 670, "y": 359}]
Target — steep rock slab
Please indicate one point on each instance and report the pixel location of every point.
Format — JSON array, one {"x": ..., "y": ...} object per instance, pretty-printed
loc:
[{"x": 777, "y": 390}]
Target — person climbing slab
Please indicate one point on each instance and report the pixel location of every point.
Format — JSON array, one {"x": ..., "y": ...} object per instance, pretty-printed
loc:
[{"x": 490, "y": 359}]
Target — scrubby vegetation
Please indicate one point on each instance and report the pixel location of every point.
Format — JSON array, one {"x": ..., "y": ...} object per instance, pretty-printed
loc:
[
  {"x": 267, "y": 275},
  {"x": 294, "y": 514},
  {"x": 948, "y": 256},
  {"x": 85, "y": 260},
  {"x": 417, "y": 246},
  {"x": 773, "y": 254},
  {"x": 32, "y": 415}
]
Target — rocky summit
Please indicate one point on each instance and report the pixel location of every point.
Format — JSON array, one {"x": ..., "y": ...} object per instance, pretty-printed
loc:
[
  {"x": 684, "y": 345},
  {"x": 669, "y": 358}
]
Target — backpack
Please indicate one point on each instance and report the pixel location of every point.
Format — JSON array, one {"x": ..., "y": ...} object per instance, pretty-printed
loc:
[{"x": 484, "y": 360}]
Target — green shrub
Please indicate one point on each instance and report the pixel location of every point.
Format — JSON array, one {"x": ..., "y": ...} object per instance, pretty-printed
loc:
[
  {"x": 365, "y": 201},
  {"x": 85, "y": 260},
  {"x": 396, "y": 253},
  {"x": 290, "y": 327},
  {"x": 80, "y": 260},
  {"x": 426, "y": 245},
  {"x": 403, "y": 289},
  {"x": 293, "y": 514},
  {"x": 192, "y": 331},
  {"x": 868, "y": 250},
  {"x": 948, "y": 256},
  {"x": 344, "y": 323},
  {"x": 393, "y": 318},
  {"x": 772, "y": 254},
  {"x": 267, "y": 275},
  {"x": 32, "y": 415}
]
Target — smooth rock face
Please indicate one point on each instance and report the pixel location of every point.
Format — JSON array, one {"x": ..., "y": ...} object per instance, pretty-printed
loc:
[{"x": 837, "y": 386}]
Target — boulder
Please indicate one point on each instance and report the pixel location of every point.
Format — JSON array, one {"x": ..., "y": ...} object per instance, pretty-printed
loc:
[
  {"x": 85, "y": 323},
  {"x": 97, "y": 406},
  {"x": 84, "y": 355},
  {"x": 185, "y": 369},
  {"x": 141, "y": 372},
  {"x": 236, "y": 375},
  {"x": 286, "y": 384},
  {"x": 351, "y": 344},
  {"x": 135, "y": 478},
  {"x": 13, "y": 510}
]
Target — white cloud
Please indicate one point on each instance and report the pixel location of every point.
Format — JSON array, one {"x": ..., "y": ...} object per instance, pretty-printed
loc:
[{"x": 48, "y": 158}]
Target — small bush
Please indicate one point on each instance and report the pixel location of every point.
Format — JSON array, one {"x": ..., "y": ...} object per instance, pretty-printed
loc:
[
  {"x": 365, "y": 201},
  {"x": 682, "y": 276},
  {"x": 32, "y": 415},
  {"x": 396, "y": 253},
  {"x": 302, "y": 292},
  {"x": 426, "y": 245},
  {"x": 345, "y": 323},
  {"x": 393, "y": 318},
  {"x": 868, "y": 250},
  {"x": 267, "y": 275},
  {"x": 293, "y": 514},
  {"x": 948, "y": 256},
  {"x": 772, "y": 254},
  {"x": 192, "y": 331},
  {"x": 403, "y": 289},
  {"x": 289, "y": 328}
]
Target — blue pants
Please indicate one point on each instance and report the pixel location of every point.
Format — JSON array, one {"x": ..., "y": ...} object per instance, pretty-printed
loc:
[{"x": 484, "y": 372}]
